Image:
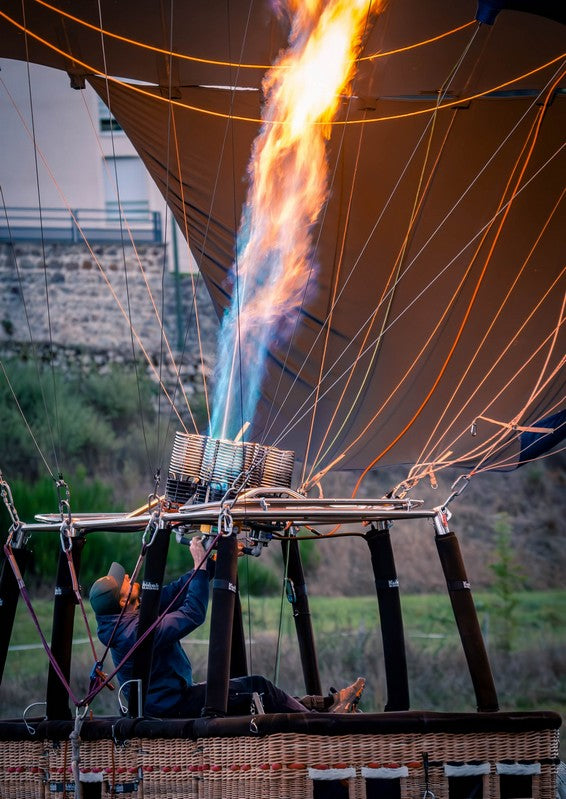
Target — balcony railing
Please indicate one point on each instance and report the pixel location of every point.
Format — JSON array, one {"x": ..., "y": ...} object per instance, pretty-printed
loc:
[{"x": 98, "y": 226}]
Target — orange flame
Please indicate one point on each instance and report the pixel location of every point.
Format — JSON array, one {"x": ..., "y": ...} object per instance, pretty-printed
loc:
[
  {"x": 288, "y": 176},
  {"x": 289, "y": 170}
]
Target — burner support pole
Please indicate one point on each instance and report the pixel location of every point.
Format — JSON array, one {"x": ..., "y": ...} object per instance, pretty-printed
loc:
[
  {"x": 299, "y": 600},
  {"x": 9, "y": 595},
  {"x": 465, "y": 615},
  {"x": 154, "y": 571},
  {"x": 224, "y": 589},
  {"x": 64, "y": 603},
  {"x": 389, "y": 603}
]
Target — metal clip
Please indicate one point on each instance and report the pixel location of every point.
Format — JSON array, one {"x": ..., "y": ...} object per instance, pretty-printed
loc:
[
  {"x": 464, "y": 479},
  {"x": 152, "y": 528},
  {"x": 6, "y": 494},
  {"x": 29, "y": 728},
  {"x": 154, "y": 496},
  {"x": 225, "y": 522},
  {"x": 441, "y": 520},
  {"x": 64, "y": 503}
]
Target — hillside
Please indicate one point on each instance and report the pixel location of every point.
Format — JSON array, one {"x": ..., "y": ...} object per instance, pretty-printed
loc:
[{"x": 533, "y": 499}]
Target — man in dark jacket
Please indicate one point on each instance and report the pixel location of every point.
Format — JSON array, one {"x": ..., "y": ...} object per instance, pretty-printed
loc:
[
  {"x": 171, "y": 692},
  {"x": 171, "y": 672}
]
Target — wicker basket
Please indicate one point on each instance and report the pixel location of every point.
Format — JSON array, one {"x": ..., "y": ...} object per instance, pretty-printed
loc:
[{"x": 259, "y": 762}]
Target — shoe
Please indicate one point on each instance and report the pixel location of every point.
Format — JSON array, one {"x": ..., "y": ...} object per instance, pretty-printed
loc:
[
  {"x": 346, "y": 700},
  {"x": 316, "y": 703}
]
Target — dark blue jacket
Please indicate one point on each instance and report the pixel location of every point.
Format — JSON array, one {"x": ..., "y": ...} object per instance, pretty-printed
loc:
[{"x": 171, "y": 670}]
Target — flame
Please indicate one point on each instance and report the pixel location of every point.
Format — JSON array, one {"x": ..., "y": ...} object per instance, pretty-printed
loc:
[{"x": 287, "y": 190}]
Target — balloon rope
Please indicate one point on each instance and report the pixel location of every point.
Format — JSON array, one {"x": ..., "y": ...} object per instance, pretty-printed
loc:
[
  {"x": 425, "y": 457},
  {"x": 157, "y": 98},
  {"x": 420, "y": 194},
  {"x": 54, "y": 439},
  {"x": 475, "y": 292},
  {"x": 300, "y": 413},
  {"x": 532, "y": 137},
  {"x": 394, "y": 280},
  {"x": 116, "y": 183},
  {"x": 240, "y": 65},
  {"x": 194, "y": 304},
  {"x": 504, "y": 194}
]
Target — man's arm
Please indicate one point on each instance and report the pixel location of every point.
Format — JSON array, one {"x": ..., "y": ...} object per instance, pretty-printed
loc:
[
  {"x": 192, "y": 613},
  {"x": 180, "y": 586},
  {"x": 189, "y": 611}
]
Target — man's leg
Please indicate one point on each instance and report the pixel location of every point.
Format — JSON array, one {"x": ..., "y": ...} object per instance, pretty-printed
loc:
[
  {"x": 191, "y": 701},
  {"x": 274, "y": 699}
]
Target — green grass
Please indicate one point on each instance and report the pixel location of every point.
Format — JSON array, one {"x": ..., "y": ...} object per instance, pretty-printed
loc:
[
  {"x": 529, "y": 677},
  {"x": 430, "y": 631},
  {"x": 540, "y": 613}
]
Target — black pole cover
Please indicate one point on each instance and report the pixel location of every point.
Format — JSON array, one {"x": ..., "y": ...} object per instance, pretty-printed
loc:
[
  {"x": 467, "y": 621},
  {"x": 301, "y": 613},
  {"x": 389, "y": 602},
  {"x": 9, "y": 595},
  {"x": 224, "y": 588},
  {"x": 154, "y": 570},
  {"x": 62, "y": 632},
  {"x": 238, "y": 658}
]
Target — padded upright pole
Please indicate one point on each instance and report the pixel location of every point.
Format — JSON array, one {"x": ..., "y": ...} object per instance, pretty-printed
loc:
[
  {"x": 389, "y": 603},
  {"x": 154, "y": 569},
  {"x": 301, "y": 613},
  {"x": 62, "y": 632},
  {"x": 224, "y": 590},
  {"x": 466, "y": 617},
  {"x": 9, "y": 594},
  {"x": 238, "y": 658}
]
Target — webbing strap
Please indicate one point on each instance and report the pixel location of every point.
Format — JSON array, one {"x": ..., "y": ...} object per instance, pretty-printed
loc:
[
  {"x": 80, "y": 603},
  {"x": 25, "y": 596}
]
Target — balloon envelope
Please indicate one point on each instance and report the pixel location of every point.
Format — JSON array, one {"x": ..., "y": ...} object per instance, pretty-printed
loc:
[{"x": 431, "y": 332}]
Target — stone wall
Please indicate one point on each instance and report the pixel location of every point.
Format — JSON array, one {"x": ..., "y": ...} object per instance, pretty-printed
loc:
[{"x": 76, "y": 304}]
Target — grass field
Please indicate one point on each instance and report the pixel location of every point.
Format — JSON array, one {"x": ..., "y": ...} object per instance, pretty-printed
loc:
[{"x": 527, "y": 651}]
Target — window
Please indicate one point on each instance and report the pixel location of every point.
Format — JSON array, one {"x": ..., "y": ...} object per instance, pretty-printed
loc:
[
  {"x": 106, "y": 122},
  {"x": 330, "y": 789},
  {"x": 131, "y": 176},
  {"x": 465, "y": 787}
]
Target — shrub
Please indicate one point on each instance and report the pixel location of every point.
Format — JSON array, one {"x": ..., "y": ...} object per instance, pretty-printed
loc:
[
  {"x": 257, "y": 579},
  {"x": 41, "y": 497},
  {"x": 509, "y": 577}
]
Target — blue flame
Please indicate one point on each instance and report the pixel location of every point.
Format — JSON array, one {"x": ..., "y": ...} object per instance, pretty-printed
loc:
[{"x": 243, "y": 341}]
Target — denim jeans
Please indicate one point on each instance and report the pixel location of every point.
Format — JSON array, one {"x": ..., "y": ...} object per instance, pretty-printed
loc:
[{"x": 240, "y": 690}]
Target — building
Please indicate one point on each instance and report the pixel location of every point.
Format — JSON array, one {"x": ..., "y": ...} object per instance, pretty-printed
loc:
[
  {"x": 73, "y": 286},
  {"x": 84, "y": 167}
]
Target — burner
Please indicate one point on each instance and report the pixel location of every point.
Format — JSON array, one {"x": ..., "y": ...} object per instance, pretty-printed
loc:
[{"x": 205, "y": 469}]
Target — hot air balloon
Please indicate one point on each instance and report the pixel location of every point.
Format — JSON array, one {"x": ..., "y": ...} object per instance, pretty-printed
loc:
[{"x": 395, "y": 296}]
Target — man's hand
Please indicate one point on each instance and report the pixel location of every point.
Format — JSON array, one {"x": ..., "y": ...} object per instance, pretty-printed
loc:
[{"x": 198, "y": 553}]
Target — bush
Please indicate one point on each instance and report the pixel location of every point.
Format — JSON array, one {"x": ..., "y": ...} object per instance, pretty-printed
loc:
[
  {"x": 41, "y": 497},
  {"x": 46, "y": 420},
  {"x": 509, "y": 578},
  {"x": 257, "y": 579}
]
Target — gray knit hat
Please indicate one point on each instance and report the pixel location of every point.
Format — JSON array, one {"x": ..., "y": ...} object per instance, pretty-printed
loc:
[{"x": 105, "y": 593}]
